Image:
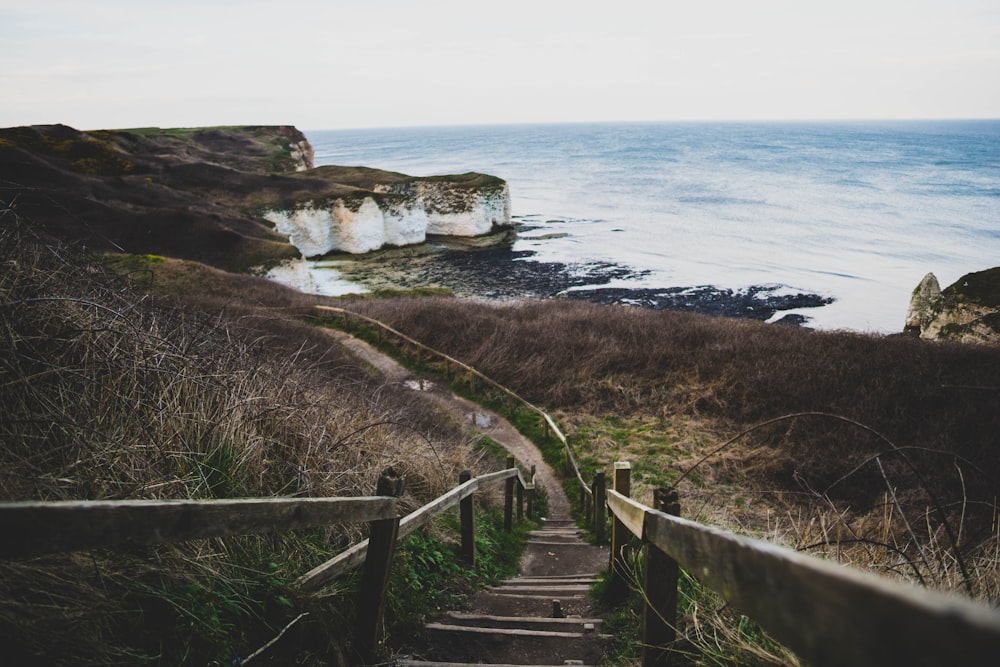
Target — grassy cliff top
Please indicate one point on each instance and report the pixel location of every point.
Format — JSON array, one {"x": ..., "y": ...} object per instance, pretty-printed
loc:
[
  {"x": 189, "y": 193},
  {"x": 981, "y": 287}
]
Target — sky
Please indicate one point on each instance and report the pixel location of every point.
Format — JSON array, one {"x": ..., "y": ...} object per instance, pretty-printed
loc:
[{"x": 393, "y": 63}]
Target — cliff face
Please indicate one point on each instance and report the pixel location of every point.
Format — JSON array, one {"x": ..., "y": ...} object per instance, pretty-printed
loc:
[
  {"x": 967, "y": 311},
  {"x": 233, "y": 197},
  {"x": 402, "y": 211}
]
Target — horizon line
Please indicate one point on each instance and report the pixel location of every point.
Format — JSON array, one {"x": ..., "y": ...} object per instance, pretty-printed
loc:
[{"x": 678, "y": 121}]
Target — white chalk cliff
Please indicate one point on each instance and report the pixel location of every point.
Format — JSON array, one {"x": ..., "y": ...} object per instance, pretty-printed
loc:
[
  {"x": 398, "y": 211},
  {"x": 967, "y": 311}
]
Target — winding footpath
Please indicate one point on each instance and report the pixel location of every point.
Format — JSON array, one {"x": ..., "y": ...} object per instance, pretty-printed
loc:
[{"x": 541, "y": 617}]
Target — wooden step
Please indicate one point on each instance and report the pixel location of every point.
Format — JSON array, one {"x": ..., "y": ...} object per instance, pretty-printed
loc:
[
  {"x": 559, "y": 523},
  {"x": 554, "y": 590},
  {"x": 407, "y": 662},
  {"x": 568, "y": 580},
  {"x": 549, "y": 558},
  {"x": 556, "y": 577},
  {"x": 510, "y": 593},
  {"x": 556, "y": 538},
  {"x": 529, "y": 605},
  {"x": 575, "y": 624},
  {"x": 512, "y": 646}
]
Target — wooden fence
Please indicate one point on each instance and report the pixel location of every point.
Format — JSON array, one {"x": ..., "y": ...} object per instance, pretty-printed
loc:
[
  {"x": 829, "y": 614},
  {"x": 37, "y": 528}
]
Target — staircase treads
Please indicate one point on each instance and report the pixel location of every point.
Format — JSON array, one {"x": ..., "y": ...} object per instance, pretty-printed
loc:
[
  {"x": 570, "y": 558},
  {"x": 572, "y": 580},
  {"x": 510, "y": 632},
  {"x": 577, "y": 624},
  {"x": 529, "y": 605},
  {"x": 521, "y": 647},
  {"x": 556, "y": 577},
  {"x": 407, "y": 662},
  {"x": 552, "y": 590}
]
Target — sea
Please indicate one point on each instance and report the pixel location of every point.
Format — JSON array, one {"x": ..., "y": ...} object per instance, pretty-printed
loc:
[{"x": 855, "y": 211}]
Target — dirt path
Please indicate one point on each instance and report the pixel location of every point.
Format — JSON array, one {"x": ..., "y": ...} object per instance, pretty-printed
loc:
[
  {"x": 477, "y": 418},
  {"x": 543, "y": 616}
]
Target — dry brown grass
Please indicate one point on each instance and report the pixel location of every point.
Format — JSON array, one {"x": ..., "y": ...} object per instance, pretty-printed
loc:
[
  {"x": 876, "y": 415},
  {"x": 111, "y": 394}
]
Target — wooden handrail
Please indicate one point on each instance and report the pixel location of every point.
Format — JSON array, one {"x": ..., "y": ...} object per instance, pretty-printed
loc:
[
  {"x": 355, "y": 555},
  {"x": 36, "y": 528},
  {"x": 829, "y": 614},
  {"x": 632, "y": 514}
]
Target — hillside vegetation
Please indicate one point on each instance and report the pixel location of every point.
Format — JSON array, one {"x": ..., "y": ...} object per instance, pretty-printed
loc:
[
  {"x": 223, "y": 385},
  {"x": 110, "y": 393},
  {"x": 135, "y": 366},
  {"x": 887, "y": 443}
]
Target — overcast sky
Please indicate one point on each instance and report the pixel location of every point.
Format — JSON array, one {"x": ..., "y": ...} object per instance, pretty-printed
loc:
[{"x": 385, "y": 63}]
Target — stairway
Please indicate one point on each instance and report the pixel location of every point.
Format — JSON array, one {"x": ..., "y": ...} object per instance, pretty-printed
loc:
[{"x": 541, "y": 617}]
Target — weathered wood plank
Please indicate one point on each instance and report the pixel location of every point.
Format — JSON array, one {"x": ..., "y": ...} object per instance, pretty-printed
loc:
[
  {"x": 326, "y": 572},
  {"x": 526, "y": 484},
  {"x": 629, "y": 512},
  {"x": 659, "y": 610},
  {"x": 618, "y": 581},
  {"x": 600, "y": 503},
  {"x": 424, "y": 515},
  {"x": 374, "y": 583},
  {"x": 831, "y": 614},
  {"x": 508, "y": 499},
  {"x": 347, "y": 560},
  {"x": 467, "y": 524},
  {"x": 36, "y": 528}
]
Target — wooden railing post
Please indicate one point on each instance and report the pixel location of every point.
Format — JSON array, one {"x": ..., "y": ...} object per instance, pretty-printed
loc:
[
  {"x": 591, "y": 521},
  {"x": 375, "y": 577},
  {"x": 467, "y": 521},
  {"x": 520, "y": 500},
  {"x": 531, "y": 496},
  {"x": 600, "y": 506},
  {"x": 508, "y": 499},
  {"x": 618, "y": 586},
  {"x": 659, "y": 614}
]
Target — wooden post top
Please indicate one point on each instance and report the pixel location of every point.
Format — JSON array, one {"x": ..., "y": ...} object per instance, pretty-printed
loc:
[{"x": 390, "y": 483}]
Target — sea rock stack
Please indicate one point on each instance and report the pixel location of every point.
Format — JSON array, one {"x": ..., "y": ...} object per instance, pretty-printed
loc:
[
  {"x": 967, "y": 311},
  {"x": 919, "y": 314}
]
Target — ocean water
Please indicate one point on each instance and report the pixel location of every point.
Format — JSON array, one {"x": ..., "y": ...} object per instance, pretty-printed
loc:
[{"x": 855, "y": 211}]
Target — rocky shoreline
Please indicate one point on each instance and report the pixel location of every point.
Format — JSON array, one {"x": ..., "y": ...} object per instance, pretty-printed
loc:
[{"x": 492, "y": 269}]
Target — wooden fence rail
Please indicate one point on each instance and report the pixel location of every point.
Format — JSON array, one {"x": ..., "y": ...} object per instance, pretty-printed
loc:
[
  {"x": 355, "y": 555},
  {"x": 37, "y": 528},
  {"x": 829, "y": 614},
  {"x": 33, "y": 529}
]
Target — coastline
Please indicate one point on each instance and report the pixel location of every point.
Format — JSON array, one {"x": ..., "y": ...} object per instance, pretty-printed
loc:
[{"x": 489, "y": 268}]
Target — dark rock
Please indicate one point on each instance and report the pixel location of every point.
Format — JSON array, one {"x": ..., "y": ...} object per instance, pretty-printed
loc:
[{"x": 756, "y": 302}]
